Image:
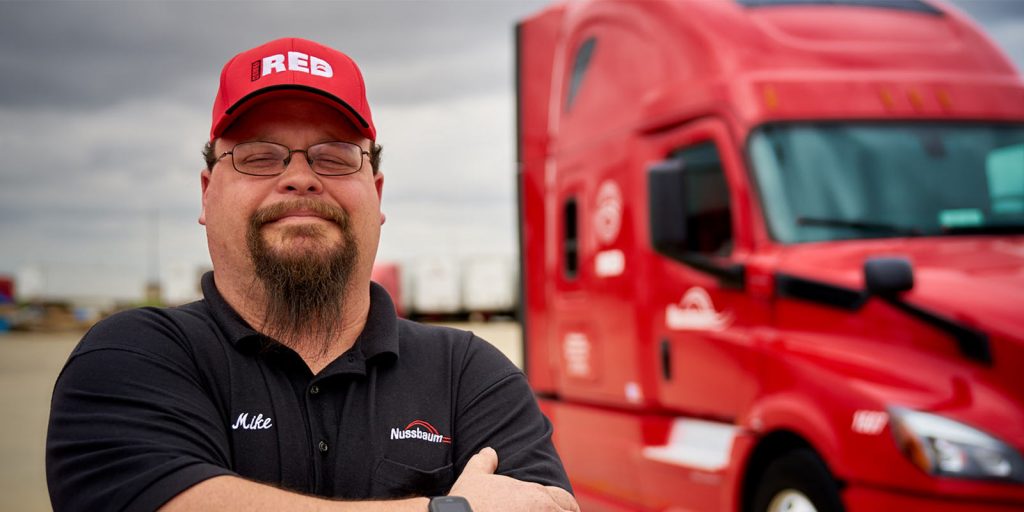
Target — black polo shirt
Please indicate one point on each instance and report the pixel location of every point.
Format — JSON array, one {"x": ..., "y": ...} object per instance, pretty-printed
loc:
[{"x": 153, "y": 401}]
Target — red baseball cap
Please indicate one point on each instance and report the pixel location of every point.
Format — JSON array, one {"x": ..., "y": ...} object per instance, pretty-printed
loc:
[{"x": 291, "y": 66}]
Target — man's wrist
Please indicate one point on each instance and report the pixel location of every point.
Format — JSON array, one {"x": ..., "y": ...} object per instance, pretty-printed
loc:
[{"x": 449, "y": 504}]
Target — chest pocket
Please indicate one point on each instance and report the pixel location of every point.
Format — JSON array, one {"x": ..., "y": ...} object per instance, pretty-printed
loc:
[{"x": 395, "y": 480}]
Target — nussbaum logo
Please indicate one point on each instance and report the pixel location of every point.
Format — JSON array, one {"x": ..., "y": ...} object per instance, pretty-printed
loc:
[{"x": 421, "y": 430}]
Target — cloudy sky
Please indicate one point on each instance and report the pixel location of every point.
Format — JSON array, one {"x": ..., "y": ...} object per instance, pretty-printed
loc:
[{"x": 104, "y": 107}]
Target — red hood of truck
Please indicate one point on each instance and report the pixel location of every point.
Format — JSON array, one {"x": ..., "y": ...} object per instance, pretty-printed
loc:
[{"x": 976, "y": 280}]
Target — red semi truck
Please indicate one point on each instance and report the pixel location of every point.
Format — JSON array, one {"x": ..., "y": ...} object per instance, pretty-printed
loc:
[{"x": 772, "y": 254}]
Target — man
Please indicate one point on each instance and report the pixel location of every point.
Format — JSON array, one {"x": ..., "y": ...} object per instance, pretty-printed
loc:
[{"x": 293, "y": 385}]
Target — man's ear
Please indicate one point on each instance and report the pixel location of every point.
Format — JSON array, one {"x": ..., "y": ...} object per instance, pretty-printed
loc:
[
  {"x": 378, "y": 181},
  {"x": 204, "y": 183}
]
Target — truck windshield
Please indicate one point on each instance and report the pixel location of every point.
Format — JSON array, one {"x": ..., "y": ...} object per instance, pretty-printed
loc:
[{"x": 842, "y": 180}]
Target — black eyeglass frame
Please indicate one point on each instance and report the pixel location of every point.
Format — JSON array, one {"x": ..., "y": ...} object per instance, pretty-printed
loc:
[{"x": 287, "y": 160}]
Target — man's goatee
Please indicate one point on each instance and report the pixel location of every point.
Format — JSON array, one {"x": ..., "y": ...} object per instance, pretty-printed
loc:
[{"x": 304, "y": 290}]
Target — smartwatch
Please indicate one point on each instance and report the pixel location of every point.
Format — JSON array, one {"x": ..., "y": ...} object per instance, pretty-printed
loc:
[{"x": 449, "y": 504}]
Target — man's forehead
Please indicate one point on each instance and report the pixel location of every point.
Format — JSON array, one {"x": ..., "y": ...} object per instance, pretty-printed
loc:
[{"x": 270, "y": 116}]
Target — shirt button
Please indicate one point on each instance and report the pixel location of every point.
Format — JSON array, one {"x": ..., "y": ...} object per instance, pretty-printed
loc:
[
  {"x": 314, "y": 389},
  {"x": 323, "y": 447}
]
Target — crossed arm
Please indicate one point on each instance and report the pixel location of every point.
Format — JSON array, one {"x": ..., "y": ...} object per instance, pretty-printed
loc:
[{"x": 485, "y": 491}]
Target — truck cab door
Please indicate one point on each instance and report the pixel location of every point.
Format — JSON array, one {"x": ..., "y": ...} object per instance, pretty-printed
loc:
[{"x": 700, "y": 311}]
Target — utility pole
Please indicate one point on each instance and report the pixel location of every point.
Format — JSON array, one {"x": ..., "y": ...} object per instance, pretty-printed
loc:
[{"x": 154, "y": 295}]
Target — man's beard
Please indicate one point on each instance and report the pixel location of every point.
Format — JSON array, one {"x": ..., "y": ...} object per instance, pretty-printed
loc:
[{"x": 303, "y": 290}]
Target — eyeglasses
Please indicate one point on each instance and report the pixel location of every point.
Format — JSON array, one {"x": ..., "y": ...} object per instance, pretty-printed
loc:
[{"x": 270, "y": 159}]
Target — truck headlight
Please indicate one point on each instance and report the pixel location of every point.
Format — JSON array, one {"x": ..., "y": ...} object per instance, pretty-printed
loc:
[{"x": 941, "y": 446}]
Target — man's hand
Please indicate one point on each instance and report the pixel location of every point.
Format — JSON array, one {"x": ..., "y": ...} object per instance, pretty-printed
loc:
[{"x": 487, "y": 492}]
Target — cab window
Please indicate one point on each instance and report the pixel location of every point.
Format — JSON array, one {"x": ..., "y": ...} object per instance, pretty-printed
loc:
[
  {"x": 570, "y": 240},
  {"x": 580, "y": 64},
  {"x": 708, "y": 216}
]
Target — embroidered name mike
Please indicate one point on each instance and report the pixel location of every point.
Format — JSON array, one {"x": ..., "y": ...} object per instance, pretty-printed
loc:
[
  {"x": 415, "y": 430},
  {"x": 257, "y": 422}
]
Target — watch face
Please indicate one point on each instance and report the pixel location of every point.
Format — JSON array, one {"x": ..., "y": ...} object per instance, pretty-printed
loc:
[{"x": 449, "y": 504}]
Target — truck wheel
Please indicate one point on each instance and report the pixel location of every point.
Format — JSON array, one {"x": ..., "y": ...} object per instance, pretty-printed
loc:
[{"x": 797, "y": 482}]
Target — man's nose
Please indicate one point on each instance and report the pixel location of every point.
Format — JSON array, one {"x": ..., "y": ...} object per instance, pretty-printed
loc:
[
  {"x": 291, "y": 155},
  {"x": 300, "y": 177}
]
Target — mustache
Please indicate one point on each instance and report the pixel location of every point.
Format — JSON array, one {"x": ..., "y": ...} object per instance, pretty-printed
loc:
[{"x": 277, "y": 211}]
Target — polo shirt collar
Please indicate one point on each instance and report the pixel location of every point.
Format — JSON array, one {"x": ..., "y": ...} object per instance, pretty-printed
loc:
[
  {"x": 231, "y": 323},
  {"x": 380, "y": 334},
  {"x": 378, "y": 339}
]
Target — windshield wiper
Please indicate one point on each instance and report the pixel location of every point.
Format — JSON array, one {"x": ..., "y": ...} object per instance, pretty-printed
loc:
[
  {"x": 857, "y": 224},
  {"x": 987, "y": 229}
]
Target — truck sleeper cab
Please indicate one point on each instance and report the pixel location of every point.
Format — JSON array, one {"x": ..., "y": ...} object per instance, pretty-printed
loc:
[{"x": 772, "y": 254}]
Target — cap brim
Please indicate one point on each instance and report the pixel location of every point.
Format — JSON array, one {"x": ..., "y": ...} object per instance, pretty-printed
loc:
[{"x": 290, "y": 90}]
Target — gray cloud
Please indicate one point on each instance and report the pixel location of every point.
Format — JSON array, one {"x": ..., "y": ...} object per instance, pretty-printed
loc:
[
  {"x": 989, "y": 11},
  {"x": 94, "y": 54},
  {"x": 105, "y": 105}
]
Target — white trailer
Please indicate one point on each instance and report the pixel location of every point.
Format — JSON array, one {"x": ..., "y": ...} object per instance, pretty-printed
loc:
[
  {"x": 489, "y": 286},
  {"x": 436, "y": 287}
]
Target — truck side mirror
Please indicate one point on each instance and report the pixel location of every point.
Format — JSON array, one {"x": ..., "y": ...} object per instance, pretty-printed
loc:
[
  {"x": 888, "y": 275},
  {"x": 668, "y": 217},
  {"x": 666, "y": 189}
]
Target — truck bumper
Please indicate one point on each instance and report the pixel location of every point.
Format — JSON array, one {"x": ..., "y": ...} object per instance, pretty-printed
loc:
[{"x": 870, "y": 499}]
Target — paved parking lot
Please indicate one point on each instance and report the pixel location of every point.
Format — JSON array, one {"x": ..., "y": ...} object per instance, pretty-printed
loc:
[{"x": 29, "y": 364}]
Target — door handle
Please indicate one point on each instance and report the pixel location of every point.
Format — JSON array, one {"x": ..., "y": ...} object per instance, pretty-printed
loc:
[{"x": 666, "y": 359}]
